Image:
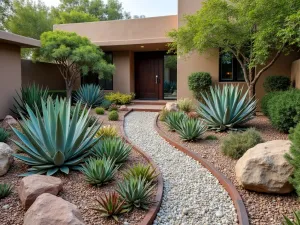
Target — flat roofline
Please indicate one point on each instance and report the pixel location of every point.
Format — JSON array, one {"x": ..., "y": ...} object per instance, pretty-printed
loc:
[
  {"x": 24, "y": 42},
  {"x": 133, "y": 41}
]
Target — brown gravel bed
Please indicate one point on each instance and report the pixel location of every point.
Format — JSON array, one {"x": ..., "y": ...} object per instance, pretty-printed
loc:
[
  {"x": 263, "y": 209},
  {"x": 75, "y": 190}
]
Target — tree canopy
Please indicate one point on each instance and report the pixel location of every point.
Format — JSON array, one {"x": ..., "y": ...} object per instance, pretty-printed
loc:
[
  {"x": 74, "y": 17},
  {"x": 74, "y": 55},
  {"x": 256, "y": 32}
]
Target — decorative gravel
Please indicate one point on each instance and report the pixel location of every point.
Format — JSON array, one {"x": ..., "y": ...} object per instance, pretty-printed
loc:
[{"x": 192, "y": 195}]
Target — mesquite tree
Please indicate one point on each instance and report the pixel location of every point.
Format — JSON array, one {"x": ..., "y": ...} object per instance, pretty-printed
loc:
[
  {"x": 256, "y": 32},
  {"x": 74, "y": 55}
]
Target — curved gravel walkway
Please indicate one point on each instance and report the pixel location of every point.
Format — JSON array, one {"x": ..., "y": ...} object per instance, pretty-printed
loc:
[{"x": 192, "y": 195}]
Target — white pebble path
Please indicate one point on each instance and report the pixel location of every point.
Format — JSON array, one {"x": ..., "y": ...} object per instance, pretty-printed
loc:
[{"x": 192, "y": 195}]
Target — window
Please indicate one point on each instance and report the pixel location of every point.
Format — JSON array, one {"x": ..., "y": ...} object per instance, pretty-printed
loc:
[
  {"x": 230, "y": 69},
  {"x": 92, "y": 78}
]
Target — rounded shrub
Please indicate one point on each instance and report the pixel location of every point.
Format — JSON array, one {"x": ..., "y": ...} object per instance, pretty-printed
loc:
[
  {"x": 269, "y": 97},
  {"x": 277, "y": 83},
  {"x": 100, "y": 110},
  {"x": 105, "y": 104},
  {"x": 236, "y": 144},
  {"x": 113, "y": 116},
  {"x": 199, "y": 82}
]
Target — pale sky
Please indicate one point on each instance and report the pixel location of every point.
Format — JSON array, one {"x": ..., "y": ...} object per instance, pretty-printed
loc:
[{"x": 149, "y": 8}]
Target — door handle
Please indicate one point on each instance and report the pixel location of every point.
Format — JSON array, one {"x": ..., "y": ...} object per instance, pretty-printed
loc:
[{"x": 156, "y": 79}]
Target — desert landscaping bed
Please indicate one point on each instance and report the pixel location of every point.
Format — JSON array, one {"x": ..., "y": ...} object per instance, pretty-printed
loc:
[
  {"x": 75, "y": 189},
  {"x": 262, "y": 208}
]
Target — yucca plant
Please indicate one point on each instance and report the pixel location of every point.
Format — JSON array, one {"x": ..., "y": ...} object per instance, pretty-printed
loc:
[
  {"x": 296, "y": 220},
  {"x": 99, "y": 171},
  {"x": 31, "y": 95},
  {"x": 136, "y": 192},
  {"x": 90, "y": 94},
  {"x": 225, "y": 108},
  {"x": 191, "y": 129},
  {"x": 5, "y": 190},
  {"x": 139, "y": 170},
  {"x": 107, "y": 132},
  {"x": 110, "y": 205},
  {"x": 173, "y": 120},
  {"x": 113, "y": 148},
  {"x": 53, "y": 141}
]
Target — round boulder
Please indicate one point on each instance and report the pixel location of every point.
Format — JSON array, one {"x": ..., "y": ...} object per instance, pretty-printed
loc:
[
  {"x": 172, "y": 107},
  {"x": 9, "y": 121},
  {"x": 263, "y": 168},
  {"x": 6, "y": 158}
]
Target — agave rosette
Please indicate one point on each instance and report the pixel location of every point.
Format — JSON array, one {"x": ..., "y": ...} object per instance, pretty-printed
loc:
[{"x": 90, "y": 94}]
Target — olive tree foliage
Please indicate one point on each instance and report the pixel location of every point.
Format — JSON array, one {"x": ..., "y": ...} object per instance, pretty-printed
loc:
[
  {"x": 256, "y": 32},
  {"x": 75, "y": 56}
]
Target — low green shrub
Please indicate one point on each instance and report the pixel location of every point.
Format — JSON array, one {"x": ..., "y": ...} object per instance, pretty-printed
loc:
[
  {"x": 191, "y": 129},
  {"x": 277, "y": 83},
  {"x": 119, "y": 98},
  {"x": 3, "y": 135},
  {"x": 185, "y": 105},
  {"x": 113, "y": 107},
  {"x": 295, "y": 221},
  {"x": 269, "y": 97},
  {"x": 99, "y": 171},
  {"x": 100, "y": 110},
  {"x": 5, "y": 190},
  {"x": 237, "y": 143},
  {"x": 144, "y": 171},
  {"x": 113, "y": 116},
  {"x": 211, "y": 138},
  {"x": 163, "y": 114},
  {"x": 105, "y": 104},
  {"x": 199, "y": 82},
  {"x": 173, "y": 120},
  {"x": 284, "y": 110},
  {"x": 107, "y": 132}
]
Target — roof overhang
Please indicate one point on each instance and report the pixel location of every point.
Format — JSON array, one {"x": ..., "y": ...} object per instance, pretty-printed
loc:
[{"x": 21, "y": 41}]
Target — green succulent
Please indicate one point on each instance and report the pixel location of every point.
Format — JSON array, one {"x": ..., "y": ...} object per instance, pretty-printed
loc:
[
  {"x": 113, "y": 148},
  {"x": 136, "y": 192},
  {"x": 99, "y": 171},
  {"x": 226, "y": 108},
  {"x": 3, "y": 135},
  {"x": 5, "y": 190},
  {"x": 90, "y": 94},
  {"x": 191, "y": 129},
  {"x": 113, "y": 116},
  {"x": 173, "y": 120},
  {"x": 53, "y": 141},
  {"x": 296, "y": 220},
  {"x": 143, "y": 171}
]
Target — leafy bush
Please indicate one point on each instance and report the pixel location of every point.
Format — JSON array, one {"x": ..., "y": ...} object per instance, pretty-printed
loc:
[
  {"x": 236, "y": 144},
  {"x": 284, "y": 110},
  {"x": 163, "y": 114},
  {"x": 110, "y": 205},
  {"x": 185, "y": 105},
  {"x": 113, "y": 116},
  {"x": 277, "y": 83},
  {"x": 199, "y": 82},
  {"x": 53, "y": 141},
  {"x": 295, "y": 221},
  {"x": 173, "y": 120},
  {"x": 113, "y": 148},
  {"x": 113, "y": 107},
  {"x": 90, "y": 95},
  {"x": 119, "y": 98},
  {"x": 136, "y": 192},
  {"x": 105, "y": 104},
  {"x": 5, "y": 190},
  {"x": 107, "y": 132},
  {"x": 269, "y": 97},
  {"x": 3, "y": 135},
  {"x": 99, "y": 171},
  {"x": 211, "y": 138},
  {"x": 226, "y": 108},
  {"x": 294, "y": 158},
  {"x": 100, "y": 110},
  {"x": 191, "y": 129},
  {"x": 144, "y": 171},
  {"x": 30, "y": 96}
]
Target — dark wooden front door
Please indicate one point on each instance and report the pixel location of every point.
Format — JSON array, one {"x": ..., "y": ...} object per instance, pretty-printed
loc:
[{"x": 149, "y": 75}]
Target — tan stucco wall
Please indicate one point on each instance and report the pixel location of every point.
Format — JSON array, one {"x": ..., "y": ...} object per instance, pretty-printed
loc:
[
  {"x": 296, "y": 73},
  {"x": 10, "y": 72}
]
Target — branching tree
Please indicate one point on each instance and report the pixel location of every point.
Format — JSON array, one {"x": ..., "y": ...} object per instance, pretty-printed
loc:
[
  {"x": 74, "y": 55},
  {"x": 74, "y": 17},
  {"x": 256, "y": 32}
]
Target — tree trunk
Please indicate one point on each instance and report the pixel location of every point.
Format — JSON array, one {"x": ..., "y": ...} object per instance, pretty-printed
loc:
[
  {"x": 69, "y": 88},
  {"x": 251, "y": 90}
]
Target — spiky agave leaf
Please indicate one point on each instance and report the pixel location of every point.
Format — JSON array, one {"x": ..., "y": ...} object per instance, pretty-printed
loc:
[
  {"x": 140, "y": 170},
  {"x": 225, "y": 108},
  {"x": 173, "y": 120},
  {"x": 5, "y": 190},
  {"x": 191, "y": 129},
  {"x": 90, "y": 94},
  {"x": 53, "y": 141},
  {"x": 296, "y": 220}
]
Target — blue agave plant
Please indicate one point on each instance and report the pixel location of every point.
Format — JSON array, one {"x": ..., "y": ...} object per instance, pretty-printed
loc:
[{"x": 90, "y": 94}]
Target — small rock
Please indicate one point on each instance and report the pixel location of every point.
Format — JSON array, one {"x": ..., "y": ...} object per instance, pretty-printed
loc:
[
  {"x": 5, "y": 206},
  {"x": 123, "y": 108},
  {"x": 193, "y": 115},
  {"x": 9, "y": 121},
  {"x": 6, "y": 158},
  {"x": 172, "y": 107},
  {"x": 185, "y": 211},
  {"x": 219, "y": 213}
]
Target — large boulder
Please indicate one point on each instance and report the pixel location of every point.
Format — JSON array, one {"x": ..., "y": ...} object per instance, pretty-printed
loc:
[
  {"x": 172, "y": 107},
  {"x": 51, "y": 210},
  {"x": 33, "y": 186},
  {"x": 9, "y": 121},
  {"x": 263, "y": 168},
  {"x": 6, "y": 158}
]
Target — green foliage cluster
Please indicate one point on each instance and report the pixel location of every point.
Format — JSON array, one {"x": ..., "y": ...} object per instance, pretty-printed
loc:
[
  {"x": 191, "y": 129},
  {"x": 171, "y": 62},
  {"x": 198, "y": 83},
  {"x": 139, "y": 170},
  {"x": 235, "y": 144},
  {"x": 5, "y": 190},
  {"x": 295, "y": 221},
  {"x": 185, "y": 105},
  {"x": 264, "y": 104},
  {"x": 119, "y": 98},
  {"x": 277, "y": 83},
  {"x": 163, "y": 114},
  {"x": 173, "y": 120},
  {"x": 113, "y": 116},
  {"x": 100, "y": 111},
  {"x": 107, "y": 132},
  {"x": 3, "y": 135},
  {"x": 90, "y": 94},
  {"x": 74, "y": 17},
  {"x": 106, "y": 104},
  {"x": 113, "y": 107}
]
